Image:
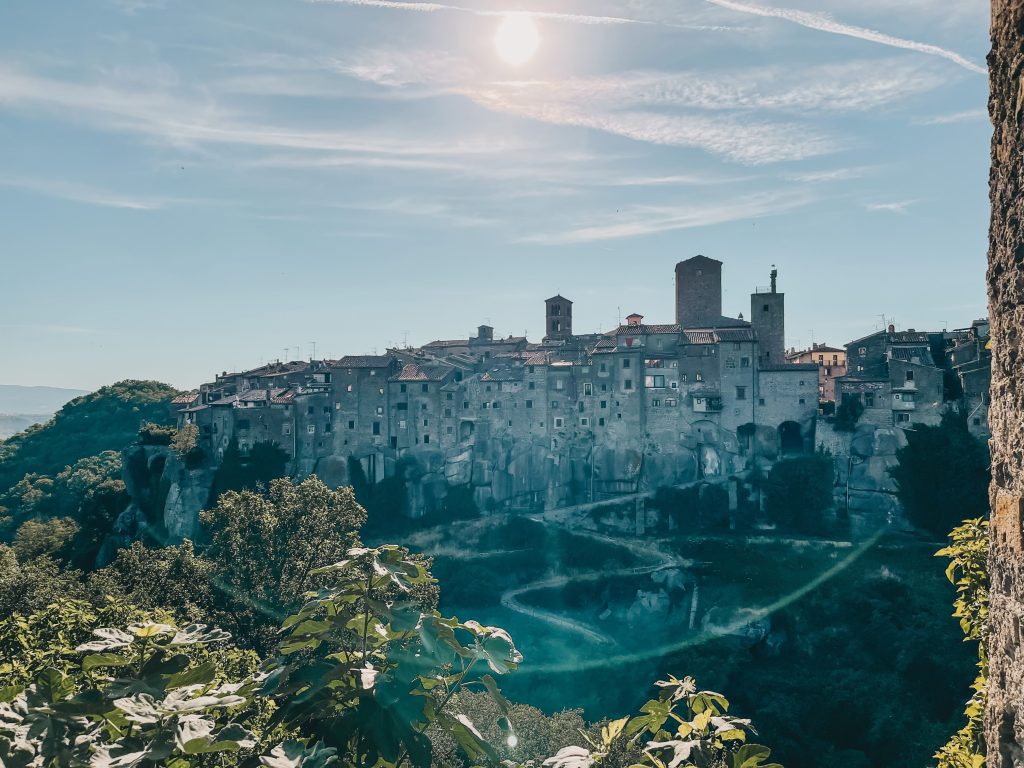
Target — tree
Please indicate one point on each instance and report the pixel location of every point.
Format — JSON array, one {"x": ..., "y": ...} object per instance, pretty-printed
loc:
[
  {"x": 47, "y": 537},
  {"x": 848, "y": 413},
  {"x": 799, "y": 491},
  {"x": 942, "y": 474},
  {"x": 265, "y": 547}
]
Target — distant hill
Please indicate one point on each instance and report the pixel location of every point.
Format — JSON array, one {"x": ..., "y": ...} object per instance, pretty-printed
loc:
[
  {"x": 105, "y": 420},
  {"x": 21, "y": 407}
]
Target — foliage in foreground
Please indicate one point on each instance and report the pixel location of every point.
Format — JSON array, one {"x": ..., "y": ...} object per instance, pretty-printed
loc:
[
  {"x": 968, "y": 570},
  {"x": 362, "y": 676}
]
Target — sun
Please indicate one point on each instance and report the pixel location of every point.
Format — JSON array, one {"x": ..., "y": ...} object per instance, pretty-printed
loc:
[{"x": 516, "y": 39}]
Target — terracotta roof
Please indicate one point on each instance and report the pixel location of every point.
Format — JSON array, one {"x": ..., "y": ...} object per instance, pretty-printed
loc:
[
  {"x": 229, "y": 400},
  {"x": 195, "y": 409},
  {"x": 907, "y": 354},
  {"x": 537, "y": 358},
  {"x": 285, "y": 398},
  {"x": 645, "y": 330},
  {"x": 900, "y": 337},
  {"x": 186, "y": 399},
  {"x": 363, "y": 361},
  {"x": 447, "y": 343},
  {"x": 735, "y": 334},
  {"x": 503, "y": 374},
  {"x": 700, "y": 337},
  {"x": 416, "y": 372}
]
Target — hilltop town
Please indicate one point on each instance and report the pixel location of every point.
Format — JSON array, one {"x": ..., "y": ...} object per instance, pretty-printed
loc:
[{"x": 582, "y": 417}]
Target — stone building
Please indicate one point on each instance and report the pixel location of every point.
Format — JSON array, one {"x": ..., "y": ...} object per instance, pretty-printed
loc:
[
  {"x": 532, "y": 426},
  {"x": 894, "y": 376},
  {"x": 831, "y": 362}
]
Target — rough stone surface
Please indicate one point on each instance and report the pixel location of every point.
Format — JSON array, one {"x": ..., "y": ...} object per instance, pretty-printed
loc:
[{"x": 1005, "y": 716}]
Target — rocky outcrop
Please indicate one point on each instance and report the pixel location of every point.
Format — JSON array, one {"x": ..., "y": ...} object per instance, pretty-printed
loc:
[{"x": 1005, "y": 716}]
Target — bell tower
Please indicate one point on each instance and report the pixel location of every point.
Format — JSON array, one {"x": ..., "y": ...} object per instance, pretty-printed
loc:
[{"x": 557, "y": 319}]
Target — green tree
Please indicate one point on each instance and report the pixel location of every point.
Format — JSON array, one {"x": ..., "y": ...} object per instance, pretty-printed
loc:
[
  {"x": 105, "y": 420},
  {"x": 798, "y": 491},
  {"x": 45, "y": 537},
  {"x": 942, "y": 474},
  {"x": 265, "y": 547},
  {"x": 848, "y": 413}
]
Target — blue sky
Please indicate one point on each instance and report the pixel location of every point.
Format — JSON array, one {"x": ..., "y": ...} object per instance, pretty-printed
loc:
[{"x": 193, "y": 186}]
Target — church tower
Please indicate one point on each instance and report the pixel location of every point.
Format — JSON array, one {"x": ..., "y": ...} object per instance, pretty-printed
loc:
[{"x": 557, "y": 319}]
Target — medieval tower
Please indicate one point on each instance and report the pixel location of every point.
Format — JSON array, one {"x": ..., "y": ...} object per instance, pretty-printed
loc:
[
  {"x": 699, "y": 292},
  {"x": 768, "y": 318},
  {"x": 558, "y": 319}
]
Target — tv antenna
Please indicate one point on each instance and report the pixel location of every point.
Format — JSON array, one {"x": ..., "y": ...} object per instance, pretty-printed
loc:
[{"x": 311, "y": 359}]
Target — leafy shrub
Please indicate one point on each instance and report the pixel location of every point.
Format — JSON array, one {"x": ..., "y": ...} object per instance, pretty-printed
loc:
[{"x": 799, "y": 491}]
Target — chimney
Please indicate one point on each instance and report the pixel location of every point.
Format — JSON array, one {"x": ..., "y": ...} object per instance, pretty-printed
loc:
[
  {"x": 635, "y": 319},
  {"x": 892, "y": 329}
]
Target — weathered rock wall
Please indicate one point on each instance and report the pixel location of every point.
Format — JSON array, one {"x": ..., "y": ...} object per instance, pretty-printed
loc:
[{"x": 1005, "y": 716}]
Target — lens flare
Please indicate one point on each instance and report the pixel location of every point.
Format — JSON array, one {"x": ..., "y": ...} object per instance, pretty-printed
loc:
[{"x": 517, "y": 39}]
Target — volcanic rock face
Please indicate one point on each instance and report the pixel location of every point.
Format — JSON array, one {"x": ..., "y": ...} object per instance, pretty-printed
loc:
[{"x": 1005, "y": 716}]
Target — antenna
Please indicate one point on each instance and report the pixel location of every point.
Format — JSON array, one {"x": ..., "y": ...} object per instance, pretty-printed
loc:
[
  {"x": 405, "y": 339},
  {"x": 314, "y": 351},
  {"x": 286, "y": 355}
]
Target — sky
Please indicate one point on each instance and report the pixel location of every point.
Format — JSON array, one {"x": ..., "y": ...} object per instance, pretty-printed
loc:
[{"x": 190, "y": 186}]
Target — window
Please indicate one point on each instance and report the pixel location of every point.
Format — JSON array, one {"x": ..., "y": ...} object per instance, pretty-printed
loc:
[
  {"x": 559, "y": 422},
  {"x": 802, "y": 401},
  {"x": 584, "y": 422},
  {"x": 588, "y": 389},
  {"x": 554, "y": 404},
  {"x": 497, "y": 404},
  {"x": 626, "y": 363},
  {"x": 741, "y": 393},
  {"x": 559, "y": 384},
  {"x": 465, "y": 405},
  {"x": 670, "y": 402},
  {"x": 910, "y": 375},
  {"x": 902, "y": 418},
  {"x": 402, "y": 406},
  {"x": 744, "y": 362},
  {"x": 349, "y": 388},
  {"x": 327, "y": 427},
  {"x": 286, "y": 429},
  {"x": 699, "y": 376},
  {"x": 529, "y": 403},
  {"x": 604, "y": 367},
  {"x": 532, "y": 385},
  {"x": 426, "y": 439},
  {"x": 426, "y": 422},
  {"x": 736, "y": 345},
  {"x": 394, "y": 441},
  {"x": 767, "y": 308},
  {"x": 337, "y": 406},
  {"x": 449, "y": 396},
  {"x": 627, "y": 384},
  {"x": 376, "y": 427},
  {"x": 403, "y": 424},
  {"x": 730, "y": 362},
  {"x": 760, "y": 401},
  {"x": 977, "y": 421},
  {"x": 655, "y": 403},
  {"x": 581, "y": 406},
  {"x": 351, "y": 425},
  {"x": 682, "y": 378},
  {"x": 604, "y": 403},
  {"x": 380, "y": 410},
  {"x": 402, "y": 388},
  {"x": 373, "y": 373},
  {"x": 448, "y": 413},
  {"x": 450, "y": 430},
  {"x": 654, "y": 382},
  {"x": 654, "y": 363},
  {"x": 380, "y": 391},
  {"x": 869, "y": 399},
  {"x": 600, "y": 422},
  {"x": 532, "y": 369},
  {"x": 311, "y": 429},
  {"x": 862, "y": 351},
  {"x": 426, "y": 389},
  {"x": 310, "y": 410}
]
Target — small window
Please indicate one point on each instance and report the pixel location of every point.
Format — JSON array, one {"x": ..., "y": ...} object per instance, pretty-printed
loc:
[
  {"x": 600, "y": 422},
  {"x": 327, "y": 427},
  {"x": 862, "y": 351},
  {"x": 902, "y": 418},
  {"x": 910, "y": 375},
  {"x": 869, "y": 399},
  {"x": 554, "y": 404},
  {"x": 349, "y": 388},
  {"x": 403, "y": 424},
  {"x": 588, "y": 389},
  {"x": 380, "y": 391},
  {"x": 337, "y": 406},
  {"x": 426, "y": 439},
  {"x": 426, "y": 422},
  {"x": 532, "y": 385},
  {"x": 310, "y": 410},
  {"x": 741, "y": 393},
  {"x": 286, "y": 429},
  {"x": 402, "y": 388},
  {"x": 670, "y": 402},
  {"x": 380, "y": 410},
  {"x": 311, "y": 429},
  {"x": 584, "y": 422},
  {"x": 376, "y": 427},
  {"x": 760, "y": 401},
  {"x": 628, "y": 384},
  {"x": 351, "y": 425},
  {"x": 767, "y": 308},
  {"x": 529, "y": 403},
  {"x": 559, "y": 422},
  {"x": 802, "y": 401},
  {"x": 559, "y": 384},
  {"x": 699, "y": 376},
  {"x": 626, "y": 363}
]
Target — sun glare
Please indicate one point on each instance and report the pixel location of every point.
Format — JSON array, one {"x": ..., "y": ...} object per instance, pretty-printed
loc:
[{"x": 517, "y": 38}]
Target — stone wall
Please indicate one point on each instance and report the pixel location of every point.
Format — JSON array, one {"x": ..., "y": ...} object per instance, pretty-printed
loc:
[{"x": 1005, "y": 716}]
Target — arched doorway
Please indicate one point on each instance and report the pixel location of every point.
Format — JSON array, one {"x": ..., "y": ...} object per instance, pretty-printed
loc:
[{"x": 790, "y": 438}]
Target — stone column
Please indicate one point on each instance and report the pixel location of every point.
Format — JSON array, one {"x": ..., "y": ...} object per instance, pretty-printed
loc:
[{"x": 1005, "y": 716}]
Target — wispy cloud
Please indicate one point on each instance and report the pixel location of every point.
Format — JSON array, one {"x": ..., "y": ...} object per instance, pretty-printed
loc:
[
  {"x": 967, "y": 116},
  {"x": 638, "y": 221},
  {"x": 80, "y": 193},
  {"x": 900, "y": 206},
  {"x": 825, "y": 23},
  {"x": 824, "y": 176},
  {"x": 576, "y": 18}
]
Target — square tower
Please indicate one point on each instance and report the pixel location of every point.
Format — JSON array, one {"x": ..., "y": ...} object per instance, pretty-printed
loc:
[
  {"x": 768, "y": 318},
  {"x": 699, "y": 292},
  {"x": 557, "y": 319}
]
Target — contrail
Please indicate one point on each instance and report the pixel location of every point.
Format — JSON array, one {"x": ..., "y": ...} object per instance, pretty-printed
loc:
[
  {"x": 826, "y": 24},
  {"x": 576, "y": 18}
]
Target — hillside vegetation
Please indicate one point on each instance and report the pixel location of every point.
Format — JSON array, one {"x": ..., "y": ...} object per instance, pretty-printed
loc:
[{"x": 105, "y": 420}]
